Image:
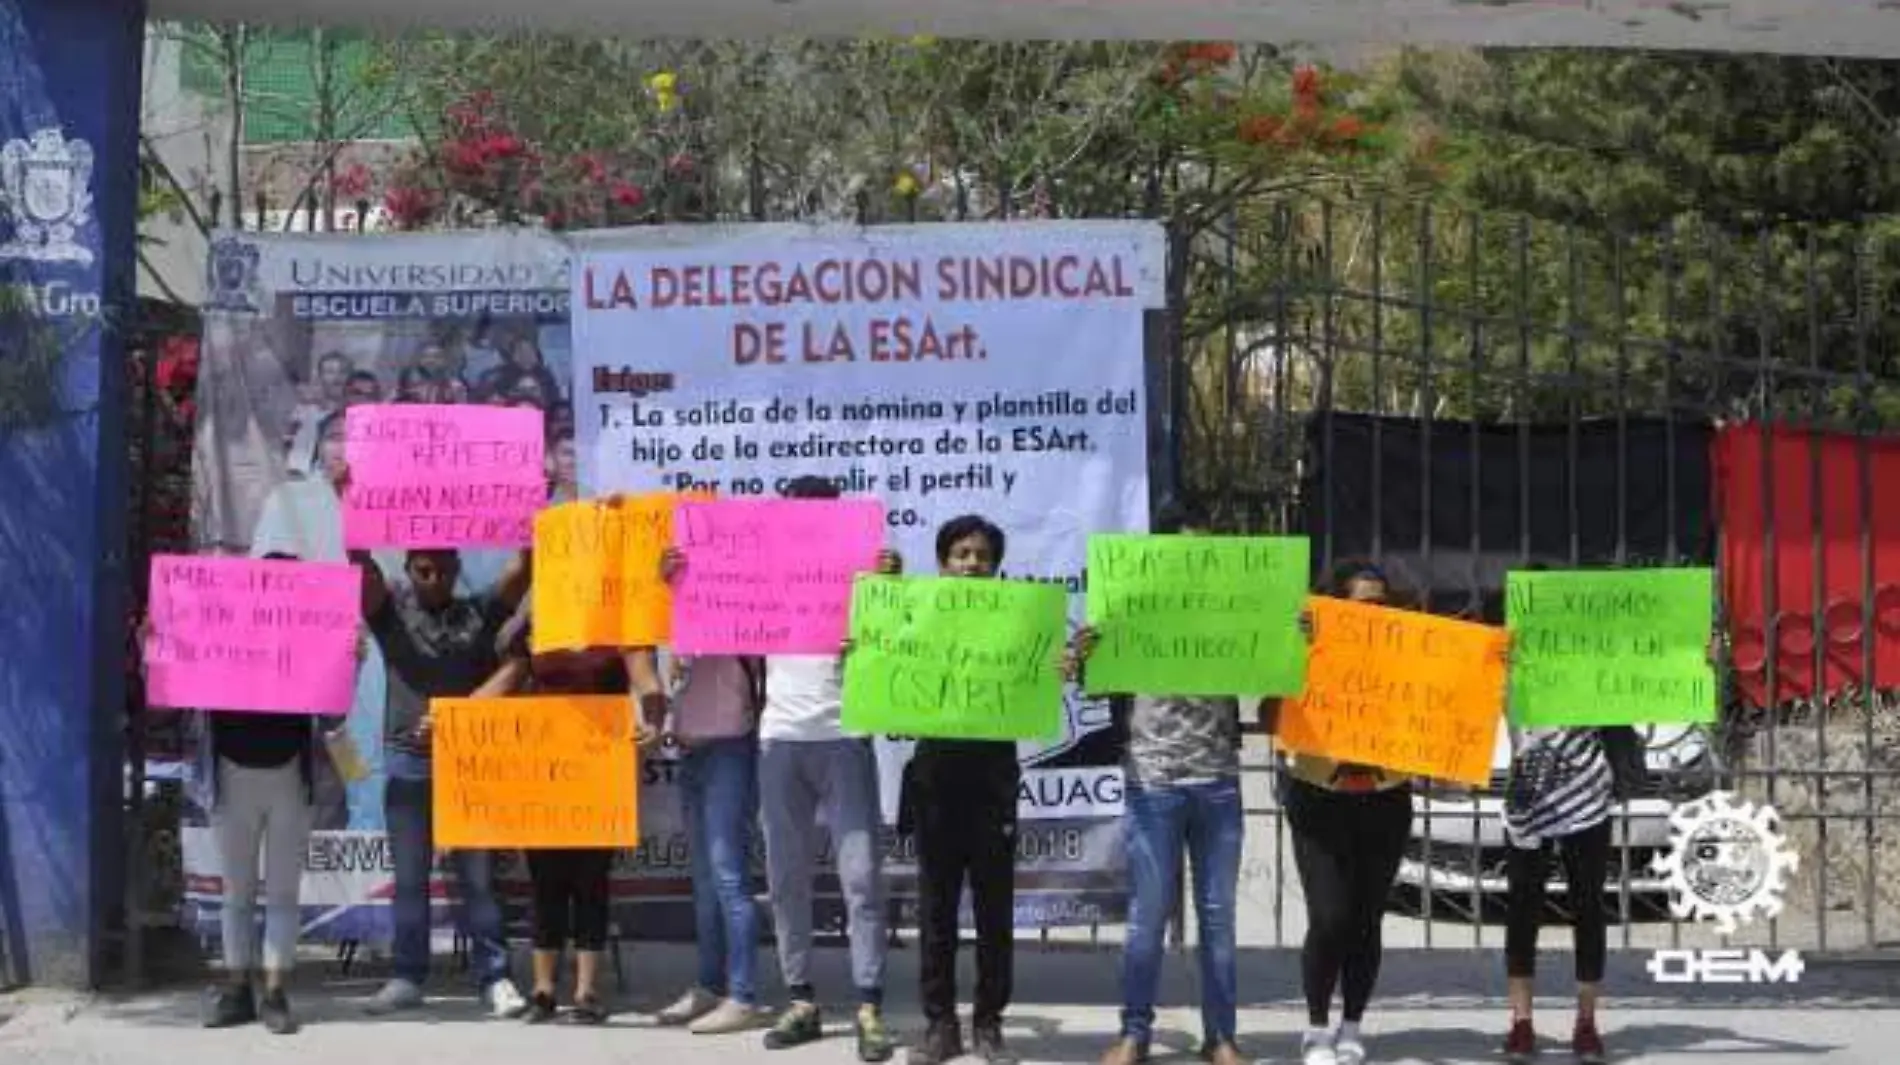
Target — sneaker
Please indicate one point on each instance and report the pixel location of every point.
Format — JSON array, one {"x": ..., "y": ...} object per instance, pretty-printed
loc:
[
  {"x": 1317, "y": 1048},
  {"x": 986, "y": 1042},
  {"x": 504, "y": 1000},
  {"x": 942, "y": 1042},
  {"x": 690, "y": 1007},
  {"x": 798, "y": 1025},
  {"x": 588, "y": 1010},
  {"x": 1586, "y": 1044},
  {"x": 1222, "y": 1053},
  {"x": 729, "y": 1017},
  {"x": 231, "y": 1006},
  {"x": 1521, "y": 1045},
  {"x": 541, "y": 1008},
  {"x": 1126, "y": 1052},
  {"x": 396, "y": 996},
  {"x": 275, "y": 1013},
  {"x": 1348, "y": 1048},
  {"x": 874, "y": 1040}
]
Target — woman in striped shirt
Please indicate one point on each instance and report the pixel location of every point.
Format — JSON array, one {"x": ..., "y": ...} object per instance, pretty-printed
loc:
[{"x": 1559, "y": 796}]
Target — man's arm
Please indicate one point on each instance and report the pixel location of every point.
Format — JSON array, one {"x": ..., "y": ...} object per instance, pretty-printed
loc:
[
  {"x": 504, "y": 681},
  {"x": 515, "y": 579}
]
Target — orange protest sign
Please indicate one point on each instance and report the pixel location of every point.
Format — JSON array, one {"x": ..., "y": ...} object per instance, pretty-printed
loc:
[
  {"x": 597, "y": 574},
  {"x": 535, "y": 772},
  {"x": 1403, "y": 691}
]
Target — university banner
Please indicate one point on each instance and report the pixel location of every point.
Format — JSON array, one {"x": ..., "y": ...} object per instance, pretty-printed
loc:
[{"x": 940, "y": 369}]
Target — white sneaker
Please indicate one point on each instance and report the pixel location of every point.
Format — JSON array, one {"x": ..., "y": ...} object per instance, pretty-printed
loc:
[
  {"x": 1318, "y": 1050},
  {"x": 729, "y": 1017},
  {"x": 504, "y": 1000},
  {"x": 690, "y": 1007},
  {"x": 1349, "y": 1050},
  {"x": 396, "y": 995}
]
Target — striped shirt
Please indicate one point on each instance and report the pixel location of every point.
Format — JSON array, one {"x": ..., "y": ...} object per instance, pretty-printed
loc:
[{"x": 1561, "y": 783}]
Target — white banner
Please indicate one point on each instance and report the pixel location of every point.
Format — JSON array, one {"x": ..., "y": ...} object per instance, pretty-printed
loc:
[{"x": 944, "y": 369}]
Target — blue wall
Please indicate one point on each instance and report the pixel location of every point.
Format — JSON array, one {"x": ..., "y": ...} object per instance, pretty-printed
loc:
[{"x": 70, "y": 66}]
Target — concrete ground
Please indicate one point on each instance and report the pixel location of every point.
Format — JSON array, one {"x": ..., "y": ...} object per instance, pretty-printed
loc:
[{"x": 1441, "y": 1007}]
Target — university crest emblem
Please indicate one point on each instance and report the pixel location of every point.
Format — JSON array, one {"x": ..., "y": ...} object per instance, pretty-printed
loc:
[
  {"x": 45, "y": 190},
  {"x": 233, "y": 274}
]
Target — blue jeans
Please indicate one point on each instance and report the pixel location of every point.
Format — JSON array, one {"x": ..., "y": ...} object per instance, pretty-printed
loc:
[
  {"x": 719, "y": 789},
  {"x": 1206, "y": 819},
  {"x": 409, "y": 809}
]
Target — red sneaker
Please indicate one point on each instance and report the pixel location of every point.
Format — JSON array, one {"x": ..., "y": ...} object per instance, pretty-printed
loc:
[
  {"x": 1521, "y": 1045},
  {"x": 1586, "y": 1043}
]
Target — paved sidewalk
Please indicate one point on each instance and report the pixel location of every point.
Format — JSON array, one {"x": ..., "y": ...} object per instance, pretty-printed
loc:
[{"x": 1442, "y": 1008}]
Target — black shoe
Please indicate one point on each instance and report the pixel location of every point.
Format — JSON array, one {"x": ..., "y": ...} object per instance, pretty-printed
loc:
[
  {"x": 275, "y": 1012},
  {"x": 798, "y": 1025},
  {"x": 540, "y": 1008},
  {"x": 942, "y": 1042},
  {"x": 986, "y": 1042},
  {"x": 588, "y": 1011},
  {"x": 232, "y": 1006}
]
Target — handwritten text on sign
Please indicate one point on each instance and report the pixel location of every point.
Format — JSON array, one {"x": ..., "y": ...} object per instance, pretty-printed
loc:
[
  {"x": 770, "y": 577},
  {"x": 247, "y": 635},
  {"x": 1197, "y": 615},
  {"x": 535, "y": 772},
  {"x": 442, "y": 476},
  {"x": 961, "y": 658},
  {"x": 597, "y": 573},
  {"x": 1611, "y": 648},
  {"x": 1398, "y": 690}
]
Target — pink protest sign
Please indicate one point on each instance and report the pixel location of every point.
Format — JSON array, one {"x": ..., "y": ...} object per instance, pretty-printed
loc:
[
  {"x": 245, "y": 634},
  {"x": 443, "y": 476},
  {"x": 770, "y": 577}
]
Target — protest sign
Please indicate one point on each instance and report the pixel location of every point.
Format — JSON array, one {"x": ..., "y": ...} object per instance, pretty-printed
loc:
[
  {"x": 770, "y": 577},
  {"x": 440, "y": 476},
  {"x": 1197, "y": 615},
  {"x": 961, "y": 658},
  {"x": 1399, "y": 690},
  {"x": 1625, "y": 647},
  {"x": 597, "y": 573},
  {"x": 239, "y": 634},
  {"x": 535, "y": 772}
]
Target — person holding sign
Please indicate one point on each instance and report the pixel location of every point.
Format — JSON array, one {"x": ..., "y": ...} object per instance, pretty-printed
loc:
[
  {"x": 1183, "y": 773},
  {"x": 572, "y": 888},
  {"x": 808, "y": 766},
  {"x": 256, "y": 775},
  {"x": 959, "y": 799},
  {"x": 715, "y": 702},
  {"x": 436, "y": 644},
  {"x": 1349, "y": 826}
]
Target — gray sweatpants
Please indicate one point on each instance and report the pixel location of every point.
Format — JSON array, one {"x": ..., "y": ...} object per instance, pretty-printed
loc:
[
  {"x": 267, "y": 807},
  {"x": 797, "y": 783}
]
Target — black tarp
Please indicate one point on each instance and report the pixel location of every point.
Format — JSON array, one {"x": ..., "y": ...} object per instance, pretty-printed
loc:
[{"x": 1447, "y": 508}]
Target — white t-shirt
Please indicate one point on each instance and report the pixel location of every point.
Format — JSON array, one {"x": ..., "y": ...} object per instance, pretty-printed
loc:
[{"x": 804, "y": 699}]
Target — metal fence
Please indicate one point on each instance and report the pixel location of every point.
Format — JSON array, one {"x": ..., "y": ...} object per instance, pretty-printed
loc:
[{"x": 1455, "y": 394}]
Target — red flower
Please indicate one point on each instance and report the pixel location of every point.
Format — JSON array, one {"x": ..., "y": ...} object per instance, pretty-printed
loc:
[
  {"x": 1212, "y": 53},
  {"x": 556, "y": 218},
  {"x": 591, "y": 168},
  {"x": 1347, "y": 128},
  {"x": 503, "y": 146},
  {"x": 410, "y": 207},
  {"x": 353, "y": 183},
  {"x": 1262, "y": 129},
  {"x": 627, "y": 195},
  {"x": 1306, "y": 85}
]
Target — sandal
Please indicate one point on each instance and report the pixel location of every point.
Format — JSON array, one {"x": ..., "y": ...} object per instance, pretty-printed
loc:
[{"x": 589, "y": 1011}]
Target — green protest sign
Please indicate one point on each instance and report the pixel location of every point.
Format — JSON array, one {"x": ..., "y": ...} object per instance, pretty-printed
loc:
[
  {"x": 956, "y": 658},
  {"x": 1197, "y": 615},
  {"x": 1625, "y": 647}
]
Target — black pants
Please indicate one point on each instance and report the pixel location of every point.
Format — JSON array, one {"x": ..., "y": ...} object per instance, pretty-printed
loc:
[
  {"x": 570, "y": 897},
  {"x": 960, "y": 801},
  {"x": 1348, "y": 846},
  {"x": 1586, "y": 858}
]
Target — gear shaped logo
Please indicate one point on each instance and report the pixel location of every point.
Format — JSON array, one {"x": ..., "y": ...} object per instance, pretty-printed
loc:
[{"x": 1727, "y": 861}]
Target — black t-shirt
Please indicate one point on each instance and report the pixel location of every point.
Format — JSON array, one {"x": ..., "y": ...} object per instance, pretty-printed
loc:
[{"x": 260, "y": 741}]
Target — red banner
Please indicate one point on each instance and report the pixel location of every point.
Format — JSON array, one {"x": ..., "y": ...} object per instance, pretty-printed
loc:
[{"x": 1810, "y": 527}]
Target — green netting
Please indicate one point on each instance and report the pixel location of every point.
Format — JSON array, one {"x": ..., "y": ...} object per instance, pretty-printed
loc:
[{"x": 281, "y": 72}]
